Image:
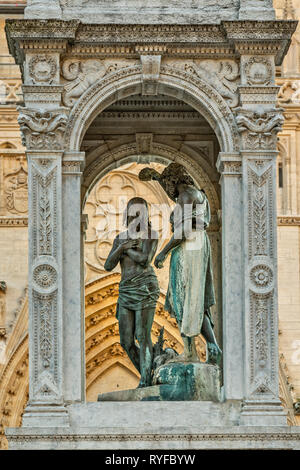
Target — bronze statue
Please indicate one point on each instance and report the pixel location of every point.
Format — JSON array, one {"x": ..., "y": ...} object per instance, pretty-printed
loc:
[
  {"x": 191, "y": 292},
  {"x": 134, "y": 249}
]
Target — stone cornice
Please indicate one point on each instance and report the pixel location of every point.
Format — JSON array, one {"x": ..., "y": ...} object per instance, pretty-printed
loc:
[
  {"x": 13, "y": 222},
  {"x": 288, "y": 220},
  {"x": 225, "y": 39}
]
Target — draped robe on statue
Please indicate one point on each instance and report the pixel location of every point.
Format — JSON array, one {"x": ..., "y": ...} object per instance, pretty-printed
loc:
[{"x": 191, "y": 291}]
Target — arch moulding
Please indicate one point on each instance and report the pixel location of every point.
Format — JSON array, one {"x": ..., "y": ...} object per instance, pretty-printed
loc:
[
  {"x": 172, "y": 82},
  {"x": 103, "y": 163}
]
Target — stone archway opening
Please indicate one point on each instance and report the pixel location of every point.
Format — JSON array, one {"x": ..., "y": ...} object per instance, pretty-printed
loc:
[{"x": 130, "y": 134}]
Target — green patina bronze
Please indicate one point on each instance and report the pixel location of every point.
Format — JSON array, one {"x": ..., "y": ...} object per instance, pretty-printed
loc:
[
  {"x": 138, "y": 289},
  {"x": 191, "y": 290}
]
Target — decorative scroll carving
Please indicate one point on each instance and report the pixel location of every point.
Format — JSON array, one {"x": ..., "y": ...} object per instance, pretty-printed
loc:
[
  {"x": 260, "y": 200},
  {"x": 45, "y": 239},
  {"x": 45, "y": 344},
  {"x": 43, "y": 129},
  {"x": 45, "y": 330},
  {"x": 81, "y": 74},
  {"x": 289, "y": 92},
  {"x": 42, "y": 69},
  {"x": 259, "y": 128},
  {"x": 258, "y": 71},
  {"x": 262, "y": 358},
  {"x": 221, "y": 75},
  {"x": 44, "y": 233}
]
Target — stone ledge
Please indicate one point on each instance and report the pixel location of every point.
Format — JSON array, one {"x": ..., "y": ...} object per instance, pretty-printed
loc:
[{"x": 209, "y": 437}]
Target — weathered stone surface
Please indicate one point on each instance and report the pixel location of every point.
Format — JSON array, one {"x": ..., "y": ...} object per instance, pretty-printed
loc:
[
  {"x": 175, "y": 382},
  {"x": 134, "y": 394},
  {"x": 136, "y": 11},
  {"x": 187, "y": 381}
]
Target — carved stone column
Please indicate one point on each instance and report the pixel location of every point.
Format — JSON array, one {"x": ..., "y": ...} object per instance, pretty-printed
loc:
[
  {"x": 74, "y": 377},
  {"x": 259, "y": 121},
  {"x": 45, "y": 290},
  {"x": 230, "y": 167},
  {"x": 42, "y": 122}
]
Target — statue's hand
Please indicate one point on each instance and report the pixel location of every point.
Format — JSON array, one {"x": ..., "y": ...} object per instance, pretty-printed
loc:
[
  {"x": 128, "y": 244},
  {"x": 159, "y": 260}
]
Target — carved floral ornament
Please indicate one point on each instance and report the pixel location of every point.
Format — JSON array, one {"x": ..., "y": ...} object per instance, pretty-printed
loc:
[
  {"x": 42, "y": 68},
  {"x": 259, "y": 128},
  {"x": 45, "y": 276},
  {"x": 42, "y": 129},
  {"x": 258, "y": 71},
  {"x": 261, "y": 275}
]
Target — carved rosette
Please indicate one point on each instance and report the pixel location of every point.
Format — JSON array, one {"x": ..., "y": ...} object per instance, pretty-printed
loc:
[
  {"x": 43, "y": 129},
  {"x": 45, "y": 288}
]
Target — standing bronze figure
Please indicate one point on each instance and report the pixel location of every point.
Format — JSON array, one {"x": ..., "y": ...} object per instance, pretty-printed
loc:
[
  {"x": 191, "y": 291},
  {"x": 134, "y": 249}
]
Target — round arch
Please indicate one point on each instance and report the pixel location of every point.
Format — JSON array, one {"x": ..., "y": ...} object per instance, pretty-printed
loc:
[
  {"x": 172, "y": 82},
  {"x": 161, "y": 153}
]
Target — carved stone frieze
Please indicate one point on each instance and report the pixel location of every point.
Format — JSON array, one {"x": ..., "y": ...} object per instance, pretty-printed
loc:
[
  {"x": 222, "y": 75},
  {"x": 43, "y": 129},
  {"x": 259, "y": 128},
  {"x": 79, "y": 74}
]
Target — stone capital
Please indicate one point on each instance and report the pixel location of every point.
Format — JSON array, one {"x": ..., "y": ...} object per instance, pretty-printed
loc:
[
  {"x": 73, "y": 163},
  {"x": 259, "y": 127},
  {"x": 229, "y": 164},
  {"x": 43, "y": 129}
]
